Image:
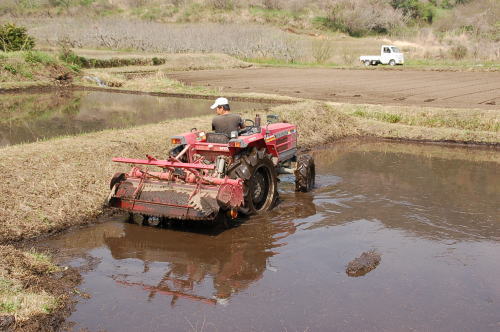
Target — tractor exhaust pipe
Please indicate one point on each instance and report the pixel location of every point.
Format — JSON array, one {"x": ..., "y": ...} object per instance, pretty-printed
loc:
[{"x": 257, "y": 121}]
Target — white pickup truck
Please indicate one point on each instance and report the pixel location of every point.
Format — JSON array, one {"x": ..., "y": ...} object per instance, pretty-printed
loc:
[{"x": 389, "y": 55}]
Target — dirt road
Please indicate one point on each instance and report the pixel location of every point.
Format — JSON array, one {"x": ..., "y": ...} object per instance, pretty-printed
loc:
[{"x": 392, "y": 87}]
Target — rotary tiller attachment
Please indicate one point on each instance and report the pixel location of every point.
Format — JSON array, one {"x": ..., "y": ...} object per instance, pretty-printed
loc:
[{"x": 181, "y": 191}]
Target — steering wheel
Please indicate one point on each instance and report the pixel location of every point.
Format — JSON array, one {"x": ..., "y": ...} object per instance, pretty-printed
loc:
[{"x": 251, "y": 121}]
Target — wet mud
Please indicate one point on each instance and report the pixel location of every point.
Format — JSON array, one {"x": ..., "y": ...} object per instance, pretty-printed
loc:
[
  {"x": 431, "y": 212},
  {"x": 363, "y": 264}
]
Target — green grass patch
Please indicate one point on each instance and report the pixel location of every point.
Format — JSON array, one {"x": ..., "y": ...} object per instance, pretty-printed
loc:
[
  {"x": 22, "y": 303},
  {"x": 442, "y": 63},
  {"x": 9, "y": 306},
  {"x": 381, "y": 116},
  {"x": 474, "y": 120},
  {"x": 39, "y": 257},
  {"x": 39, "y": 57},
  {"x": 22, "y": 66}
]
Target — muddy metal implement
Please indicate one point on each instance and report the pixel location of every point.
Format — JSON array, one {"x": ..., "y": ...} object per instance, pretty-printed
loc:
[{"x": 212, "y": 173}]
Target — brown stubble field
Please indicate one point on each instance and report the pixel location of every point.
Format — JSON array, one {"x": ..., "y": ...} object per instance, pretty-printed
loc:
[{"x": 387, "y": 87}]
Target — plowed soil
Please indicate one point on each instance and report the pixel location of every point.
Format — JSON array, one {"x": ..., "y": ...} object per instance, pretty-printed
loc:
[{"x": 378, "y": 86}]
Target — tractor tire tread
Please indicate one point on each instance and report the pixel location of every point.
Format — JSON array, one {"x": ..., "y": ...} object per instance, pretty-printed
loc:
[{"x": 305, "y": 173}]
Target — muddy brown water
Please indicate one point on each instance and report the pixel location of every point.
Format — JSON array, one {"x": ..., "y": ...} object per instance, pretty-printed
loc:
[
  {"x": 28, "y": 117},
  {"x": 431, "y": 212}
]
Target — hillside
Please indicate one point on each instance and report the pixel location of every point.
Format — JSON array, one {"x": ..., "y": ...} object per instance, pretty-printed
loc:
[{"x": 266, "y": 29}]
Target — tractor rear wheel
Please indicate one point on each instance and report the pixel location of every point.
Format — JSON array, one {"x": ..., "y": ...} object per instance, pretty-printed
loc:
[
  {"x": 260, "y": 186},
  {"x": 305, "y": 173}
]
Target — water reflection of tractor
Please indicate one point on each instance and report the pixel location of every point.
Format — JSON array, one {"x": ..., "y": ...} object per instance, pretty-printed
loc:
[
  {"x": 209, "y": 175},
  {"x": 232, "y": 261}
]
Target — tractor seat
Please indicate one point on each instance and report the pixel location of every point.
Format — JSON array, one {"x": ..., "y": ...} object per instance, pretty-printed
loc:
[{"x": 220, "y": 138}]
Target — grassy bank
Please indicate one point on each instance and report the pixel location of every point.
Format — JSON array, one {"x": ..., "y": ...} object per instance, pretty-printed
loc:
[
  {"x": 33, "y": 291},
  {"x": 33, "y": 68},
  {"x": 426, "y": 124}
]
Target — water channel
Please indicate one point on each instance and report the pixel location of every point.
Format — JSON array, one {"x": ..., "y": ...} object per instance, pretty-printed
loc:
[
  {"x": 432, "y": 212},
  {"x": 28, "y": 117}
]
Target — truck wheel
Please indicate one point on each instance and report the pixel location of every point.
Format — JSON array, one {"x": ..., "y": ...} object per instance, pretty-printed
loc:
[
  {"x": 305, "y": 174},
  {"x": 392, "y": 62},
  {"x": 367, "y": 63},
  {"x": 260, "y": 186}
]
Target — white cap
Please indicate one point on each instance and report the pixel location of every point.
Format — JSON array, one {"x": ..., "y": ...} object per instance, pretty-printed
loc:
[{"x": 219, "y": 102}]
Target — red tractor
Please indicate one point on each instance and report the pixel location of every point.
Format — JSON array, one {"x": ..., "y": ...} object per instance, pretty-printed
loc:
[{"x": 211, "y": 174}]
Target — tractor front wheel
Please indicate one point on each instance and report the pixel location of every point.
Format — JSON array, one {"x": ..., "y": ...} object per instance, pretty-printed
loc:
[
  {"x": 305, "y": 173},
  {"x": 260, "y": 186}
]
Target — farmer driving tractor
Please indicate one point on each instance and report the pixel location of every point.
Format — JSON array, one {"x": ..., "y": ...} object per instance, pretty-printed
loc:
[
  {"x": 214, "y": 174},
  {"x": 225, "y": 122}
]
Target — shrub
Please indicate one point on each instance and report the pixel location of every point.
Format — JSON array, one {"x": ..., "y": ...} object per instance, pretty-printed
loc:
[
  {"x": 416, "y": 9},
  {"x": 458, "y": 52},
  {"x": 321, "y": 50},
  {"x": 359, "y": 17},
  {"x": 14, "y": 38},
  {"x": 348, "y": 57},
  {"x": 222, "y": 4},
  {"x": 158, "y": 61},
  {"x": 87, "y": 3},
  {"x": 272, "y": 4},
  {"x": 60, "y": 3},
  {"x": 391, "y": 118},
  {"x": 71, "y": 58}
]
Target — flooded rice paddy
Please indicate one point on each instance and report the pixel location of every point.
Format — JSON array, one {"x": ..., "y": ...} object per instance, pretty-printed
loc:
[
  {"x": 28, "y": 117},
  {"x": 431, "y": 212}
]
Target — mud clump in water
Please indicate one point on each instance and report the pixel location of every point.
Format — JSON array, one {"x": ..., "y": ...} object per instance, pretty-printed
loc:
[{"x": 363, "y": 264}]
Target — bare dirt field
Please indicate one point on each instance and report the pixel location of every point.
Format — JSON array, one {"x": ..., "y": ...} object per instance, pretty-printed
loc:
[{"x": 392, "y": 87}]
